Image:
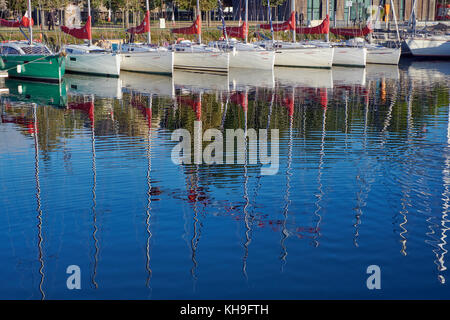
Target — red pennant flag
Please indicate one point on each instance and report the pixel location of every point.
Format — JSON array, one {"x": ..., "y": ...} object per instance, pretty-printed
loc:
[
  {"x": 287, "y": 25},
  {"x": 237, "y": 32},
  {"x": 144, "y": 27},
  {"x": 195, "y": 28},
  {"x": 80, "y": 33},
  {"x": 323, "y": 28}
]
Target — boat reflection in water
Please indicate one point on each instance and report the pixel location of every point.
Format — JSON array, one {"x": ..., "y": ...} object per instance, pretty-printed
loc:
[
  {"x": 204, "y": 82},
  {"x": 304, "y": 77},
  {"x": 102, "y": 87},
  {"x": 148, "y": 84},
  {"x": 363, "y": 176},
  {"x": 49, "y": 94}
]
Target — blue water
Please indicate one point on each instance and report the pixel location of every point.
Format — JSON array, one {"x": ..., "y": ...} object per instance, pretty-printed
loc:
[{"x": 364, "y": 179}]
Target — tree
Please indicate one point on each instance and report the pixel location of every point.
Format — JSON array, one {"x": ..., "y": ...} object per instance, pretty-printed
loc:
[
  {"x": 3, "y": 5},
  {"x": 273, "y": 3},
  {"x": 205, "y": 5}
]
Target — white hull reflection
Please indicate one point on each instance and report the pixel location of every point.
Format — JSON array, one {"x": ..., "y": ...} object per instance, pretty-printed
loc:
[
  {"x": 304, "y": 77},
  {"x": 349, "y": 76},
  {"x": 101, "y": 87},
  {"x": 200, "y": 81},
  {"x": 240, "y": 80},
  {"x": 385, "y": 71},
  {"x": 147, "y": 83}
]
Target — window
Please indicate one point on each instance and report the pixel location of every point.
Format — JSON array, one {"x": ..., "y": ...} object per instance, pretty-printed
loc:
[{"x": 8, "y": 50}]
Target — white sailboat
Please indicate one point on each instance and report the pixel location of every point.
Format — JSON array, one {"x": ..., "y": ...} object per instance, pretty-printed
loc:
[
  {"x": 243, "y": 54},
  {"x": 296, "y": 54},
  {"x": 143, "y": 57},
  {"x": 427, "y": 45},
  {"x": 430, "y": 46},
  {"x": 87, "y": 58},
  {"x": 198, "y": 56},
  {"x": 349, "y": 56},
  {"x": 345, "y": 54},
  {"x": 378, "y": 54}
]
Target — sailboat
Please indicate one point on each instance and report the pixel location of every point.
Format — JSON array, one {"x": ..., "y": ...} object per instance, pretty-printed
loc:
[
  {"x": 140, "y": 57},
  {"x": 430, "y": 46},
  {"x": 356, "y": 52},
  {"x": 87, "y": 58},
  {"x": 198, "y": 56},
  {"x": 244, "y": 54},
  {"x": 378, "y": 54},
  {"x": 297, "y": 54},
  {"x": 27, "y": 59},
  {"x": 427, "y": 45}
]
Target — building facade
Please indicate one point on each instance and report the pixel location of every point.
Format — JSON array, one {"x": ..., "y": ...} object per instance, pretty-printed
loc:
[{"x": 340, "y": 10}]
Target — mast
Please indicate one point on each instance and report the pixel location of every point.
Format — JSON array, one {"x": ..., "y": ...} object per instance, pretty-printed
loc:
[
  {"x": 30, "y": 27},
  {"x": 395, "y": 20},
  {"x": 413, "y": 17},
  {"x": 293, "y": 11},
  {"x": 269, "y": 15},
  {"x": 89, "y": 16},
  {"x": 199, "y": 13},
  {"x": 149, "y": 37},
  {"x": 246, "y": 19},
  {"x": 327, "y": 36}
]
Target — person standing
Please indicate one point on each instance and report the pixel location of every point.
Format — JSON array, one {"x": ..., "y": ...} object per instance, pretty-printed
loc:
[{"x": 51, "y": 20}]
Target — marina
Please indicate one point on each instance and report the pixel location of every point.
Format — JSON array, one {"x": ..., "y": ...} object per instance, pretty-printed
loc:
[{"x": 270, "y": 159}]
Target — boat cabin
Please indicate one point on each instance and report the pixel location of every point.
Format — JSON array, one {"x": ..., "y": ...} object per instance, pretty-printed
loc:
[{"x": 23, "y": 48}]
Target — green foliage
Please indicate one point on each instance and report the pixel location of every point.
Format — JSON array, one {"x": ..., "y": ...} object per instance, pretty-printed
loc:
[
  {"x": 273, "y": 3},
  {"x": 205, "y": 5}
]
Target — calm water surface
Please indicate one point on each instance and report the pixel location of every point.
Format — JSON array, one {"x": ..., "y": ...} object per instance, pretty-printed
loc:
[{"x": 86, "y": 179}]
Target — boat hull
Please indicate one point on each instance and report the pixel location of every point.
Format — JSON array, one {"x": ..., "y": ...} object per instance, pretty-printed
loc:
[
  {"x": 350, "y": 57},
  {"x": 383, "y": 56},
  {"x": 101, "y": 64},
  {"x": 216, "y": 62},
  {"x": 304, "y": 57},
  {"x": 44, "y": 68},
  {"x": 434, "y": 48},
  {"x": 157, "y": 62},
  {"x": 258, "y": 59}
]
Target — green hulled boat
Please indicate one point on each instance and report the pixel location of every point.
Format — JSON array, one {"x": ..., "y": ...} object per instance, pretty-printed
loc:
[
  {"x": 27, "y": 59},
  {"x": 31, "y": 61}
]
